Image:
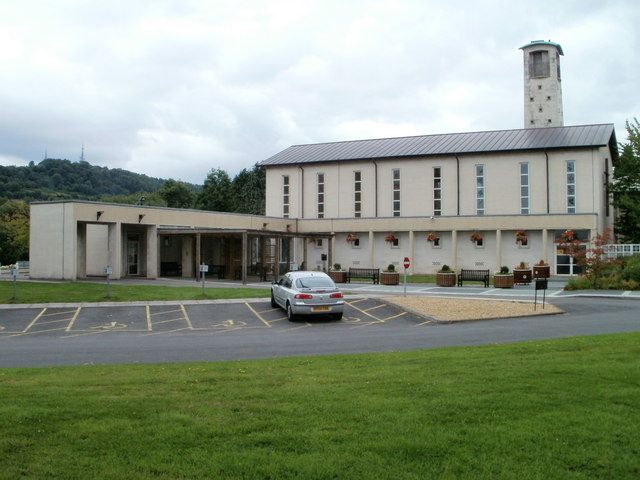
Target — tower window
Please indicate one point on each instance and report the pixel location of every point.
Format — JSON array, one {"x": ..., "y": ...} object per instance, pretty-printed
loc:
[
  {"x": 548, "y": 120},
  {"x": 539, "y": 64},
  {"x": 548, "y": 97},
  {"x": 539, "y": 87},
  {"x": 540, "y": 109},
  {"x": 531, "y": 99}
]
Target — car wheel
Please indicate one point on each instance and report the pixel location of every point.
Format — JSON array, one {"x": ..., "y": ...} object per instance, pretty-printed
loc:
[
  {"x": 290, "y": 316},
  {"x": 273, "y": 301},
  {"x": 337, "y": 316}
]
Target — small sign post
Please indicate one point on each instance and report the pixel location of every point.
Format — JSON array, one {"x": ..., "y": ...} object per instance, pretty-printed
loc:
[
  {"x": 14, "y": 274},
  {"x": 108, "y": 271},
  {"x": 406, "y": 264},
  {"x": 204, "y": 268},
  {"x": 541, "y": 284}
]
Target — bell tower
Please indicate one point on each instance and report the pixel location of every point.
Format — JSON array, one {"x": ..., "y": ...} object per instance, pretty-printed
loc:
[{"x": 542, "y": 85}]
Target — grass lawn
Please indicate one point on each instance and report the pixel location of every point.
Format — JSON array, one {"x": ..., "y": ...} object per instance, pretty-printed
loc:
[
  {"x": 36, "y": 292},
  {"x": 546, "y": 409}
]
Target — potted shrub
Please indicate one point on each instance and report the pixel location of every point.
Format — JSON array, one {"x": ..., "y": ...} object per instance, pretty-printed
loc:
[
  {"x": 541, "y": 270},
  {"x": 476, "y": 237},
  {"x": 445, "y": 277},
  {"x": 522, "y": 274},
  {"x": 390, "y": 276},
  {"x": 390, "y": 238},
  {"x": 337, "y": 274},
  {"x": 503, "y": 279}
]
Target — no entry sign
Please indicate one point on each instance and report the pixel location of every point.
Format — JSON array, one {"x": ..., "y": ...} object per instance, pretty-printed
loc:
[{"x": 407, "y": 262}]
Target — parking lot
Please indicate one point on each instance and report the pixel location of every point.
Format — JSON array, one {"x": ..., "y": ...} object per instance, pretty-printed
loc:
[{"x": 71, "y": 322}]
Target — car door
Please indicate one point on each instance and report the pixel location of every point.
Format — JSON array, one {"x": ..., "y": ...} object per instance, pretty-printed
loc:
[{"x": 279, "y": 292}]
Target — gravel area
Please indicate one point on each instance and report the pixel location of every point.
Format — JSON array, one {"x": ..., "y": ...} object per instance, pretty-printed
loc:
[{"x": 461, "y": 309}]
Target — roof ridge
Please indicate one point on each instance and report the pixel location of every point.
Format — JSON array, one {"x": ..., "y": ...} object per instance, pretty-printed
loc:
[{"x": 446, "y": 134}]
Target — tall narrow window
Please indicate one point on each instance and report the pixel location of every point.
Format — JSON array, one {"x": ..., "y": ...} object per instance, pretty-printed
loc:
[
  {"x": 396, "y": 192},
  {"x": 357, "y": 188},
  {"x": 437, "y": 191},
  {"x": 571, "y": 186},
  {"x": 321, "y": 195},
  {"x": 524, "y": 188},
  {"x": 479, "y": 189},
  {"x": 285, "y": 196}
]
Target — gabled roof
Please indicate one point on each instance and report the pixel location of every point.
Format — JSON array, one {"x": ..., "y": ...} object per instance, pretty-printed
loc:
[{"x": 579, "y": 136}]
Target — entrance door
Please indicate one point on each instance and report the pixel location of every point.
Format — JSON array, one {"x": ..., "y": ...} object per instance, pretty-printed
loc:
[
  {"x": 566, "y": 265},
  {"x": 133, "y": 252}
]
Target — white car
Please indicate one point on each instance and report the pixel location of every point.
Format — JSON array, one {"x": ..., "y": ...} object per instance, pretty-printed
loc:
[{"x": 307, "y": 293}]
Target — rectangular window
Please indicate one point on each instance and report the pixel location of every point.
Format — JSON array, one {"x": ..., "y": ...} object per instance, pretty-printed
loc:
[
  {"x": 396, "y": 192},
  {"x": 479, "y": 189},
  {"x": 539, "y": 64},
  {"x": 571, "y": 186},
  {"x": 357, "y": 188},
  {"x": 524, "y": 188},
  {"x": 437, "y": 191},
  {"x": 321, "y": 195},
  {"x": 285, "y": 196}
]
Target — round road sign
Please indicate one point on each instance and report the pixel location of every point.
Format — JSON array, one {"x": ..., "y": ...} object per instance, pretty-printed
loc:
[{"x": 407, "y": 262}]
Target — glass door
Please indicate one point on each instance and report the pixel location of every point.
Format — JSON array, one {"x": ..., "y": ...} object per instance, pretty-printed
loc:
[
  {"x": 566, "y": 264},
  {"x": 133, "y": 252}
]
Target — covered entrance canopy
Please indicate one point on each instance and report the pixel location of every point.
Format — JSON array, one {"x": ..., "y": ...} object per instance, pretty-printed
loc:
[{"x": 229, "y": 254}]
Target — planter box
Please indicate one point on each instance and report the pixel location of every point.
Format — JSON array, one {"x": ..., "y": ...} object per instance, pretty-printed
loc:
[
  {"x": 445, "y": 279},
  {"x": 541, "y": 271},
  {"x": 503, "y": 281},
  {"x": 338, "y": 276},
  {"x": 389, "y": 278},
  {"x": 522, "y": 276}
]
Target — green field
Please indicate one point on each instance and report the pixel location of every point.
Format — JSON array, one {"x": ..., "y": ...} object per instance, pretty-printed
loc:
[
  {"x": 546, "y": 409},
  {"x": 64, "y": 292}
]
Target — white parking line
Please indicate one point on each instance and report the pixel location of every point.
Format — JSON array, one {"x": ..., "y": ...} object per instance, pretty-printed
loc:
[
  {"x": 186, "y": 317},
  {"x": 32, "y": 323},
  {"x": 73, "y": 320}
]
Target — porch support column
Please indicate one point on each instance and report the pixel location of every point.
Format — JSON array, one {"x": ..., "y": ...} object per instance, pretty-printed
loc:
[
  {"x": 276, "y": 257},
  {"x": 411, "y": 251},
  {"x": 305, "y": 241},
  {"x": 331, "y": 247},
  {"x": 545, "y": 247},
  {"x": 371, "y": 249},
  {"x": 152, "y": 251},
  {"x": 115, "y": 249},
  {"x": 244, "y": 258},
  {"x": 498, "y": 249},
  {"x": 198, "y": 256},
  {"x": 81, "y": 263},
  {"x": 454, "y": 249}
]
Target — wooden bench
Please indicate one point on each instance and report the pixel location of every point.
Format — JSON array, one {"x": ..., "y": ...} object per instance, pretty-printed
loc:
[
  {"x": 170, "y": 269},
  {"x": 474, "y": 276},
  {"x": 364, "y": 273},
  {"x": 219, "y": 270}
]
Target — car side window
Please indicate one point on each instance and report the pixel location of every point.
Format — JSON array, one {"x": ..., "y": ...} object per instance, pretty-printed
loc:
[{"x": 287, "y": 282}]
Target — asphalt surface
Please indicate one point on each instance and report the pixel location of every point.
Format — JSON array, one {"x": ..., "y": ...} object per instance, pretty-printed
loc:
[{"x": 183, "y": 332}]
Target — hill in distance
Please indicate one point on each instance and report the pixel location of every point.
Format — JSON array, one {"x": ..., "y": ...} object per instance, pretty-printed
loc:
[{"x": 56, "y": 179}]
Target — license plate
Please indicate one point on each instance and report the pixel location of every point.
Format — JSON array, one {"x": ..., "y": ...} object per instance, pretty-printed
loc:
[{"x": 320, "y": 309}]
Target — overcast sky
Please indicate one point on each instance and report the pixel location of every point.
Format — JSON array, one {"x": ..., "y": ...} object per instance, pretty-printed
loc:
[{"x": 175, "y": 88}]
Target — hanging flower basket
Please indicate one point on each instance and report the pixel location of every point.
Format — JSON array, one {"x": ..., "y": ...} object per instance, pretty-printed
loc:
[
  {"x": 568, "y": 236},
  {"x": 432, "y": 237},
  {"x": 521, "y": 237},
  {"x": 352, "y": 237},
  {"x": 475, "y": 237},
  {"x": 391, "y": 238}
]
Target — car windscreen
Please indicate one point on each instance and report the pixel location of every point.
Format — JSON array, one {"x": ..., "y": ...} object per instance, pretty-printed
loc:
[{"x": 314, "y": 282}]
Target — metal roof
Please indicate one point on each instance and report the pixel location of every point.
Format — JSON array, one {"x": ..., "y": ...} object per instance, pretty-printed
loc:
[
  {"x": 534, "y": 43},
  {"x": 580, "y": 136}
]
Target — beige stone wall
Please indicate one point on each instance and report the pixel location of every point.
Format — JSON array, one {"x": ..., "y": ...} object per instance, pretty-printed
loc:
[
  {"x": 546, "y": 92},
  {"x": 502, "y": 185}
]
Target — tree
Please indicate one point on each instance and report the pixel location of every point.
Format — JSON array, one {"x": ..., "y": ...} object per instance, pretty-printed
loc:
[
  {"x": 626, "y": 185},
  {"x": 248, "y": 191},
  {"x": 177, "y": 194},
  {"x": 216, "y": 192},
  {"x": 14, "y": 231}
]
